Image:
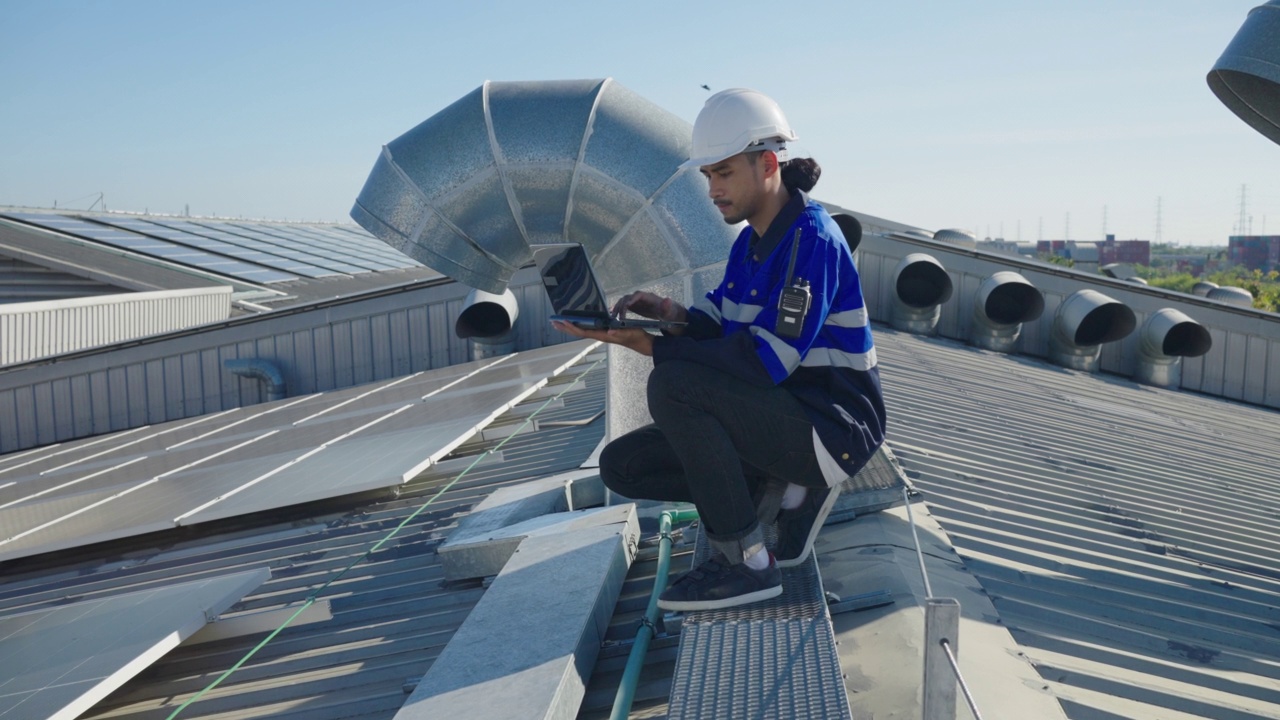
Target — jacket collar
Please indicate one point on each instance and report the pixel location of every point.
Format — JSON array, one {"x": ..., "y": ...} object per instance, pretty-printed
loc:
[{"x": 761, "y": 247}]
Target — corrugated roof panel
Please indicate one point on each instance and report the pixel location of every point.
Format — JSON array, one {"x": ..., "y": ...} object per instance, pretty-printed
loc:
[{"x": 1125, "y": 533}]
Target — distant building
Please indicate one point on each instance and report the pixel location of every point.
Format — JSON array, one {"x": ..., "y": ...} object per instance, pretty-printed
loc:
[
  {"x": 1133, "y": 252},
  {"x": 1256, "y": 252}
]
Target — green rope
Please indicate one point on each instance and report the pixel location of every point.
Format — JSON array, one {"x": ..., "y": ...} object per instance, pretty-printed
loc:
[{"x": 311, "y": 598}]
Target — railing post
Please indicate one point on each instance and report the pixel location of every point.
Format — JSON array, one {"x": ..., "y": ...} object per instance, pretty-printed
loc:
[{"x": 941, "y": 622}]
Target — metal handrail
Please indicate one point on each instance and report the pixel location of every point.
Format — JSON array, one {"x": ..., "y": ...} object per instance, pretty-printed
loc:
[{"x": 939, "y": 701}]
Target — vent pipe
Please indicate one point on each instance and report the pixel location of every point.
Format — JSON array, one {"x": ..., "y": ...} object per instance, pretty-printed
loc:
[
  {"x": 1003, "y": 303},
  {"x": 956, "y": 236},
  {"x": 262, "y": 370},
  {"x": 1165, "y": 338},
  {"x": 1232, "y": 296},
  {"x": 487, "y": 322},
  {"x": 1203, "y": 287},
  {"x": 851, "y": 228},
  {"x": 1247, "y": 76},
  {"x": 920, "y": 286},
  {"x": 1083, "y": 322}
]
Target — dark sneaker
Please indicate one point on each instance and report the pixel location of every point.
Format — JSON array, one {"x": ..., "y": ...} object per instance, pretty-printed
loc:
[
  {"x": 797, "y": 529},
  {"x": 716, "y": 584}
]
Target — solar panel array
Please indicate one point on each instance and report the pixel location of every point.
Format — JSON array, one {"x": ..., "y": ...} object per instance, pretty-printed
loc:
[
  {"x": 252, "y": 251},
  {"x": 58, "y": 662},
  {"x": 258, "y": 458}
]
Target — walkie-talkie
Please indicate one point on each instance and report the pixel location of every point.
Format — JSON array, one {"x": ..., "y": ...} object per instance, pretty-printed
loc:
[{"x": 793, "y": 305}]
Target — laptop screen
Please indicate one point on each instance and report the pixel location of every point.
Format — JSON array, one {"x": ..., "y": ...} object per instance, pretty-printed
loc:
[{"x": 567, "y": 276}]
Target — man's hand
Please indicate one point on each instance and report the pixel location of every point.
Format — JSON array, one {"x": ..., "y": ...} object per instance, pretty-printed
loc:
[
  {"x": 633, "y": 338},
  {"x": 649, "y": 305}
]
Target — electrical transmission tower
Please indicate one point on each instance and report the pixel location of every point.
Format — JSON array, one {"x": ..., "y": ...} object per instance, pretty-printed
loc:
[{"x": 1159, "y": 219}]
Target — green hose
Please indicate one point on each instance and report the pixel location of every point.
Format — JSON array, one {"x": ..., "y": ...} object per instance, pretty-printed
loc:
[{"x": 635, "y": 662}]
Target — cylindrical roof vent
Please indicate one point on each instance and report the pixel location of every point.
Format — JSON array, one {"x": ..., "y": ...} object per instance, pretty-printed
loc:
[
  {"x": 1003, "y": 303},
  {"x": 1083, "y": 322},
  {"x": 920, "y": 287},
  {"x": 514, "y": 164},
  {"x": 1203, "y": 287},
  {"x": 956, "y": 236},
  {"x": 488, "y": 321},
  {"x": 1232, "y": 296},
  {"x": 1247, "y": 76},
  {"x": 1165, "y": 338},
  {"x": 851, "y": 228}
]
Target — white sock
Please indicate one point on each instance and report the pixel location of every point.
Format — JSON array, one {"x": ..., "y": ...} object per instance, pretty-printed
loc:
[
  {"x": 793, "y": 496},
  {"x": 759, "y": 561}
]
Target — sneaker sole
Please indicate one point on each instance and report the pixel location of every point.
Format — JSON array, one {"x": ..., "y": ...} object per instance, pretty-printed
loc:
[
  {"x": 823, "y": 512},
  {"x": 687, "y": 605}
]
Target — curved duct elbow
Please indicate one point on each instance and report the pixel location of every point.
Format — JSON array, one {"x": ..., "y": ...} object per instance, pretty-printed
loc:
[
  {"x": 1247, "y": 76},
  {"x": 1003, "y": 303},
  {"x": 488, "y": 322},
  {"x": 515, "y": 164},
  {"x": 920, "y": 286},
  {"x": 1232, "y": 296},
  {"x": 1083, "y": 322},
  {"x": 264, "y": 371},
  {"x": 1165, "y": 338}
]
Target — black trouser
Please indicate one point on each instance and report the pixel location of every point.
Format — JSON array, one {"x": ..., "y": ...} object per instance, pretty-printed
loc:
[{"x": 715, "y": 439}]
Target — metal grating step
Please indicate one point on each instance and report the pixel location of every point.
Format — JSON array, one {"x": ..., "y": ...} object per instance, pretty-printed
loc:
[{"x": 769, "y": 660}]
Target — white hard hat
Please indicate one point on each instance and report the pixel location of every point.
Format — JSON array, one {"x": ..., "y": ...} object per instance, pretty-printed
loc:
[{"x": 734, "y": 121}]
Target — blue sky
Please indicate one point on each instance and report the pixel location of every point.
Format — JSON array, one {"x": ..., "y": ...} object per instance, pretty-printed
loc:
[{"x": 990, "y": 115}]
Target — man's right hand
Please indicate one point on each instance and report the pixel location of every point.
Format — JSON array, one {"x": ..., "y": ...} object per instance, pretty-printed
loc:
[{"x": 649, "y": 305}]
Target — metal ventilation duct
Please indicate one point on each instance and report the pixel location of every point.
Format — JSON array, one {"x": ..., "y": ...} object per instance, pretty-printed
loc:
[
  {"x": 1165, "y": 338},
  {"x": 1232, "y": 296},
  {"x": 920, "y": 286},
  {"x": 1247, "y": 76},
  {"x": 851, "y": 229},
  {"x": 514, "y": 164},
  {"x": 1003, "y": 303},
  {"x": 1083, "y": 322},
  {"x": 488, "y": 322},
  {"x": 955, "y": 236},
  {"x": 1203, "y": 287}
]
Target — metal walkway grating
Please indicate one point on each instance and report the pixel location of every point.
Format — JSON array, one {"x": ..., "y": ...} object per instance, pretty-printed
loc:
[{"x": 769, "y": 660}]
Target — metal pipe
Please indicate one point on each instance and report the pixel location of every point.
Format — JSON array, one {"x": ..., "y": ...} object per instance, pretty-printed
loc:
[
  {"x": 635, "y": 661},
  {"x": 259, "y": 369}
]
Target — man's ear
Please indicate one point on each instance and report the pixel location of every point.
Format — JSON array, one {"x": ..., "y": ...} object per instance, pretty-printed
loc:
[{"x": 770, "y": 161}]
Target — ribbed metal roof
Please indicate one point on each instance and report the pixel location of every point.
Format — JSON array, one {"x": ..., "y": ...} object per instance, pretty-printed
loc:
[{"x": 1125, "y": 534}]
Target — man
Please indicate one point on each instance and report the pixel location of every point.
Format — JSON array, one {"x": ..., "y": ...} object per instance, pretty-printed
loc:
[{"x": 773, "y": 381}]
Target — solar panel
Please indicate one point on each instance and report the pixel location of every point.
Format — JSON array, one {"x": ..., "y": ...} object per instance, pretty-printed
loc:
[
  {"x": 58, "y": 662},
  {"x": 357, "y": 242},
  {"x": 240, "y": 252},
  {"x": 154, "y": 247},
  {"x": 273, "y": 255},
  {"x": 253, "y": 459},
  {"x": 289, "y": 236}
]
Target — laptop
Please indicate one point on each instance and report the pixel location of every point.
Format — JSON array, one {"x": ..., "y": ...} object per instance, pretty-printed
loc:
[{"x": 575, "y": 292}]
